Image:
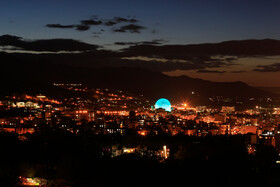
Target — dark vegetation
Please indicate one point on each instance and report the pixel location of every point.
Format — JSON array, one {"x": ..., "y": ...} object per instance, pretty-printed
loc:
[{"x": 65, "y": 159}]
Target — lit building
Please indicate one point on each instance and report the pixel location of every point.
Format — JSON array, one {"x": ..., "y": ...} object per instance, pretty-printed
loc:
[
  {"x": 201, "y": 108},
  {"x": 267, "y": 138},
  {"x": 165, "y": 152},
  {"x": 221, "y": 118},
  {"x": 224, "y": 129},
  {"x": 114, "y": 113},
  {"x": 228, "y": 109},
  {"x": 163, "y": 104},
  {"x": 41, "y": 97},
  {"x": 84, "y": 115}
]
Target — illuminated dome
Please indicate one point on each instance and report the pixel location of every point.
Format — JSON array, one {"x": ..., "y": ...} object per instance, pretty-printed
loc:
[{"x": 164, "y": 104}]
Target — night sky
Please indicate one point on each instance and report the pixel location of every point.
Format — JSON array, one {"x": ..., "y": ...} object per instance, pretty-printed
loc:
[{"x": 167, "y": 21}]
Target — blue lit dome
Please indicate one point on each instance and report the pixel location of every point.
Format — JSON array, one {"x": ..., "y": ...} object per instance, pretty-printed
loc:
[{"x": 164, "y": 104}]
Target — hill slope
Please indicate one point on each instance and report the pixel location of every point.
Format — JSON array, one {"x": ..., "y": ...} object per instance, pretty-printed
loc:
[{"x": 19, "y": 76}]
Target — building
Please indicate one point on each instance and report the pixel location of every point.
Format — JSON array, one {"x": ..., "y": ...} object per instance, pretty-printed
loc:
[
  {"x": 267, "y": 138},
  {"x": 228, "y": 109}
]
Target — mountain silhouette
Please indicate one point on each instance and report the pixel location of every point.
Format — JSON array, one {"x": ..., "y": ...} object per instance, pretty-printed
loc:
[
  {"x": 34, "y": 77},
  {"x": 33, "y": 73}
]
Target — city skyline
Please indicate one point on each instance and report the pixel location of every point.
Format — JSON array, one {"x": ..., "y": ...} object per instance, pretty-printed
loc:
[
  {"x": 139, "y": 93},
  {"x": 75, "y": 138}
]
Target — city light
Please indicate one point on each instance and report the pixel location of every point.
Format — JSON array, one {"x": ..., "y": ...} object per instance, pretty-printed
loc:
[
  {"x": 122, "y": 117},
  {"x": 163, "y": 104},
  {"x": 165, "y": 152},
  {"x": 26, "y": 181}
]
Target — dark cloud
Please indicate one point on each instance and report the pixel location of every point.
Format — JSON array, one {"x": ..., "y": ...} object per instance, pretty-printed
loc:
[
  {"x": 132, "y": 28},
  {"x": 237, "y": 71},
  {"x": 153, "y": 42},
  {"x": 110, "y": 23},
  {"x": 233, "y": 48},
  {"x": 231, "y": 59},
  {"x": 91, "y": 22},
  {"x": 121, "y": 19},
  {"x": 117, "y": 20},
  {"x": 178, "y": 60},
  {"x": 207, "y": 56},
  {"x": 95, "y": 21},
  {"x": 201, "y": 58},
  {"x": 60, "y": 26},
  {"x": 209, "y": 71},
  {"x": 213, "y": 63},
  {"x": 119, "y": 30},
  {"x": 10, "y": 40},
  {"x": 52, "y": 45},
  {"x": 268, "y": 68},
  {"x": 82, "y": 27},
  {"x": 127, "y": 43}
]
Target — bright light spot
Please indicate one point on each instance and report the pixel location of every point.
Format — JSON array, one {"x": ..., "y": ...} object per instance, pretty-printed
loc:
[{"x": 163, "y": 104}]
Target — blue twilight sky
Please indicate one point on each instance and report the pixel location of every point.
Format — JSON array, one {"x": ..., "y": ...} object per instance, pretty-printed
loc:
[{"x": 177, "y": 21}]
